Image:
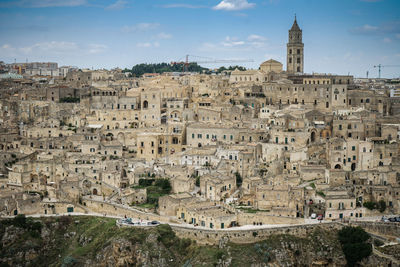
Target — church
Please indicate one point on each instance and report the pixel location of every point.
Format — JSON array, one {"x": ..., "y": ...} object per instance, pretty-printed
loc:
[
  {"x": 323, "y": 92},
  {"x": 269, "y": 69}
]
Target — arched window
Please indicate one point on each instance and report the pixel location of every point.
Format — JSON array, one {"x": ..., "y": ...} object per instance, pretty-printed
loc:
[{"x": 145, "y": 104}]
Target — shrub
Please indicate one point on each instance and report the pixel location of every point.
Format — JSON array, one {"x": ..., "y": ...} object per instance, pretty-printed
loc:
[
  {"x": 20, "y": 221},
  {"x": 166, "y": 235},
  {"x": 378, "y": 242},
  {"x": 239, "y": 179},
  {"x": 370, "y": 205},
  {"x": 68, "y": 261},
  {"x": 382, "y": 205},
  {"x": 65, "y": 220},
  {"x": 164, "y": 184},
  {"x": 145, "y": 182},
  {"x": 354, "y": 244}
]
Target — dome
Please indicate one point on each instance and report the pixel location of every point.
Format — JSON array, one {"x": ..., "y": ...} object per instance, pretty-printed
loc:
[{"x": 271, "y": 65}]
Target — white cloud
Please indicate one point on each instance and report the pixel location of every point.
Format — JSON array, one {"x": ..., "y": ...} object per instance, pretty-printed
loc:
[
  {"x": 120, "y": 4},
  {"x": 231, "y": 5},
  {"x": 141, "y": 27},
  {"x": 387, "y": 40},
  {"x": 182, "y": 6},
  {"x": 255, "y": 37},
  {"x": 45, "y": 3},
  {"x": 365, "y": 29},
  {"x": 96, "y": 48},
  {"x": 148, "y": 44},
  {"x": 6, "y": 46},
  {"x": 51, "y": 47},
  {"x": 163, "y": 35},
  {"x": 232, "y": 41},
  {"x": 253, "y": 41}
]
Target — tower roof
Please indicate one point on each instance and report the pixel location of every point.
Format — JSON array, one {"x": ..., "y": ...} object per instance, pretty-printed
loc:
[{"x": 295, "y": 26}]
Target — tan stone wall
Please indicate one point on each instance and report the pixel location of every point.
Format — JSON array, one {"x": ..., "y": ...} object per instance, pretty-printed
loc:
[
  {"x": 380, "y": 228},
  {"x": 262, "y": 217},
  {"x": 204, "y": 236},
  {"x": 118, "y": 210}
]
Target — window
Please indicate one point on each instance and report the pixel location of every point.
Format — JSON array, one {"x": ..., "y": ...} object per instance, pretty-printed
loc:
[
  {"x": 353, "y": 148},
  {"x": 290, "y": 60},
  {"x": 298, "y": 51}
]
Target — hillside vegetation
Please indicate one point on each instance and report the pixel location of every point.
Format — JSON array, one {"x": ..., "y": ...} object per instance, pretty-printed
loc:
[{"x": 97, "y": 241}]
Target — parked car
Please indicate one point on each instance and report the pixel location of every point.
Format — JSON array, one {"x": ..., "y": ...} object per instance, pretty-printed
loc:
[
  {"x": 155, "y": 222},
  {"x": 320, "y": 217},
  {"x": 392, "y": 219},
  {"x": 313, "y": 216},
  {"x": 397, "y": 219},
  {"x": 384, "y": 219}
]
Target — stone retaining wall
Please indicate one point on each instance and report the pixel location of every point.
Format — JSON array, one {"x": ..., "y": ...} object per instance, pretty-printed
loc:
[
  {"x": 380, "y": 228},
  {"x": 205, "y": 236},
  {"x": 119, "y": 210}
]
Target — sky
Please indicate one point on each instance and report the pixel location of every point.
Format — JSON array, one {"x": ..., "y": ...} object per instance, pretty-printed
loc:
[{"x": 340, "y": 36}]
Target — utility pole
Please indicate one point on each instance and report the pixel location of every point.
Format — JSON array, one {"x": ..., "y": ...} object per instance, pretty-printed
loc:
[
  {"x": 380, "y": 66},
  {"x": 379, "y": 69}
]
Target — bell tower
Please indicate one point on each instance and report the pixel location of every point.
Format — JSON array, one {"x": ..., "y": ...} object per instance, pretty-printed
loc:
[{"x": 295, "y": 49}]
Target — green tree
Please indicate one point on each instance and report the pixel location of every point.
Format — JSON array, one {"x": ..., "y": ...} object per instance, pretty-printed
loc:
[
  {"x": 370, "y": 205},
  {"x": 164, "y": 184},
  {"x": 239, "y": 179},
  {"x": 382, "y": 205},
  {"x": 354, "y": 244}
]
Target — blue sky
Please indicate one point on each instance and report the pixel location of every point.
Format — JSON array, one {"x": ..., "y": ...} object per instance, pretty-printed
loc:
[{"x": 340, "y": 36}]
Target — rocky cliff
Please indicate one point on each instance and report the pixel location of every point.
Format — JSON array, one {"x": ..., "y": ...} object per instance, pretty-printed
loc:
[{"x": 93, "y": 241}]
